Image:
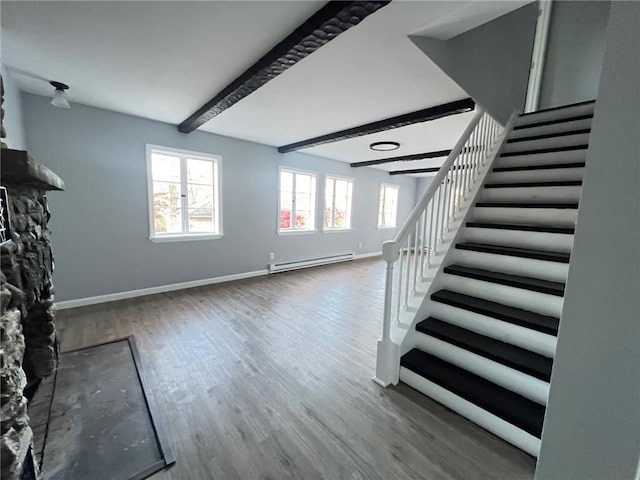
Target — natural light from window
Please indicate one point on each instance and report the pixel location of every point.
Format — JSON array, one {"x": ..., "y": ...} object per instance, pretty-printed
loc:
[
  {"x": 388, "y": 206},
  {"x": 297, "y": 201},
  {"x": 337, "y": 211},
  {"x": 184, "y": 189}
]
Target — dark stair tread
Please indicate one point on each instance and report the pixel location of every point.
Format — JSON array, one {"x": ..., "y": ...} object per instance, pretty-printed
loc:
[
  {"x": 512, "y": 356},
  {"x": 557, "y": 205},
  {"x": 511, "y": 407},
  {"x": 540, "y": 167},
  {"x": 562, "y": 183},
  {"x": 526, "y": 228},
  {"x": 545, "y": 150},
  {"x": 544, "y": 136},
  {"x": 554, "y": 122},
  {"x": 559, "y": 107},
  {"x": 517, "y": 316},
  {"x": 559, "y": 257},
  {"x": 517, "y": 281}
]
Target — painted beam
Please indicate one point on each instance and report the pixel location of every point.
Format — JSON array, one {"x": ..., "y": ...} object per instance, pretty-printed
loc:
[
  {"x": 415, "y": 170},
  {"x": 403, "y": 158},
  {"x": 424, "y": 115},
  {"x": 426, "y": 170},
  {"x": 323, "y": 26}
]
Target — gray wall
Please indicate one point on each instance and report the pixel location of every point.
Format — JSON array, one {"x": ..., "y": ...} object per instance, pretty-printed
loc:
[
  {"x": 13, "y": 123},
  {"x": 100, "y": 224},
  {"x": 422, "y": 185},
  {"x": 490, "y": 62},
  {"x": 592, "y": 426},
  {"x": 574, "y": 52}
]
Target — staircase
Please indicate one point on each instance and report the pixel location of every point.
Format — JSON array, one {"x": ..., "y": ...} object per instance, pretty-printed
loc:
[{"x": 486, "y": 344}]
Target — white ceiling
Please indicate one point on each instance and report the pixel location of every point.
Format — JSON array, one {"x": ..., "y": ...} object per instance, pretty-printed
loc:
[{"x": 163, "y": 60}]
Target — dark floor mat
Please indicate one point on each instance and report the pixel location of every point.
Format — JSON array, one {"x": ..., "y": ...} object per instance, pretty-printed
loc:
[{"x": 101, "y": 423}]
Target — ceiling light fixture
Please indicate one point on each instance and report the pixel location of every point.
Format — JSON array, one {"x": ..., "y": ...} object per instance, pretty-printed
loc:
[
  {"x": 384, "y": 146},
  {"x": 59, "y": 96}
]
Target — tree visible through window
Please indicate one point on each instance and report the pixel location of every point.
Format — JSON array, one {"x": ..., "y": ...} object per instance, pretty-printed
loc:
[
  {"x": 337, "y": 210},
  {"x": 297, "y": 201},
  {"x": 388, "y": 206},
  {"x": 184, "y": 193}
]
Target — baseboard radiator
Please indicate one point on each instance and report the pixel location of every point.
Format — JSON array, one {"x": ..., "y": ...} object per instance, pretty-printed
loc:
[{"x": 310, "y": 262}]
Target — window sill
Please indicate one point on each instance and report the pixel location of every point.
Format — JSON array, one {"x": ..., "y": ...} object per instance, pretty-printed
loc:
[
  {"x": 386, "y": 228},
  {"x": 296, "y": 232},
  {"x": 336, "y": 230},
  {"x": 185, "y": 238}
]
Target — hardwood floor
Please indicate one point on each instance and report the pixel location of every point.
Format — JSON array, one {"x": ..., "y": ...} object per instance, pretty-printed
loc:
[{"x": 270, "y": 378}]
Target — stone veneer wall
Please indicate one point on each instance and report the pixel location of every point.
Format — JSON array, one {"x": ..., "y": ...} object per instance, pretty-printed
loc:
[
  {"x": 28, "y": 344},
  {"x": 29, "y": 218},
  {"x": 16, "y": 434},
  {"x": 28, "y": 347}
]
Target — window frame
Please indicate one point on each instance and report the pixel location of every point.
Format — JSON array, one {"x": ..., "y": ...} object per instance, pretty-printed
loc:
[
  {"x": 217, "y": 194},
  {"x": 396, "y": 187},
  {"x": 330, "y": 176},
  {"x": 295, "y": 231}
]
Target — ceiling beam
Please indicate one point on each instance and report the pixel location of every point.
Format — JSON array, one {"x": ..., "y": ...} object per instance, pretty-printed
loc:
[
  {"x": 403, "y": 158},
  {"x": 415, "y": 170},
  {"x": 424, "y": 115},
  {"x": 428, "y": 170},
  {"x": 322, "y": 27}
]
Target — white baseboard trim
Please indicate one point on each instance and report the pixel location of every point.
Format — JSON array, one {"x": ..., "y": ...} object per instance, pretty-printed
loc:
[
  {"x": 112, "y": 297},
  {"x": 367, "y": 255}
]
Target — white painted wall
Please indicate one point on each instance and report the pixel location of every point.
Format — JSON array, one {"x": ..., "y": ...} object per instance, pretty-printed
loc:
[
  {"x": 490, "y": 62},
  {"x": 575, "y": 49},
  {"x": 592, "y": 425},
  {"x": 100, "y": 223},
  {"x": 13, "y": 122}
]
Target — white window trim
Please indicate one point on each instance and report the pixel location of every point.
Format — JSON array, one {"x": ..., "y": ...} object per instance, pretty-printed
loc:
[
  {"x": 314, "y": 230},
  {"x": 397, "y": 187},
  {"x": 184, "y": 237},
  {"x": 324, "y": 203}
]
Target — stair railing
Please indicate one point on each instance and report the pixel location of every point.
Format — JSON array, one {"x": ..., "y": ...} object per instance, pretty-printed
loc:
[{"x": 423, "y": 234}]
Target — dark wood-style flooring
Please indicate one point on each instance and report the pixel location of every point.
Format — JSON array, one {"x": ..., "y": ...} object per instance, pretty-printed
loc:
[{"x": 270, "y": 378}]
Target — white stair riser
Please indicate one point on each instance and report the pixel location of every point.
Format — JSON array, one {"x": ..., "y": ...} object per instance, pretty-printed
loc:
[
  {"x": 527, "y": 267},
  {"x": 551, "y": 158},
  {"x": 531, "y": 194},
  {"x": 554, "y": 128},
  {"x": 556, "y": 217},
  {"x": 488, "y": 421},
  {"x": 553, "y": 242},
  {"x": 544, "y": 143},
  {"x": 532, "y": 340},
  {"x": 537, "y": 302},
  {"x": 529, "y": 387},
  {"x": 567, "y": 112},
  {"x": 551, "y": 175}
]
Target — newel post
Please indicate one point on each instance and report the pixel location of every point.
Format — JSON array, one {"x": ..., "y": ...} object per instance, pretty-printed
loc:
[{"x": 388, "y": 357}]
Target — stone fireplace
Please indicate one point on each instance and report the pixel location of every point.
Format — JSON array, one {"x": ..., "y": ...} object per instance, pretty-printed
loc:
[{"x": 28, "y": 344}]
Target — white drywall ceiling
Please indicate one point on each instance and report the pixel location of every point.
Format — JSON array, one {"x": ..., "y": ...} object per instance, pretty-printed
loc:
[{"x": 163, "y": 60}]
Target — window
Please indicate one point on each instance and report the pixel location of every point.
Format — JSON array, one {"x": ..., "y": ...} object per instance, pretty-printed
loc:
[
  {"x": 297, "y": 201},
  {"x": 184, "y": 194},
  {"x": 337, "y": 203},
  {"x": 388, "y": 206}
]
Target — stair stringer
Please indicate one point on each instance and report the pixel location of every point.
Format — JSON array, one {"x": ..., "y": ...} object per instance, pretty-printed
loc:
[{"x": 403, "y": 332}]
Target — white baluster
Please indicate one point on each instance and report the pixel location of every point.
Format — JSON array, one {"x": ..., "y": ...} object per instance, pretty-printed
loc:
[
  {"x": 422, "y": 242},
  {"x": 435, "y": 230},
  {"x": 431, "y": 207},
  {"x": 415, "y": 257},
  {"x": 407, "y": 273},
  {"x": 400, "y": 278}
]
